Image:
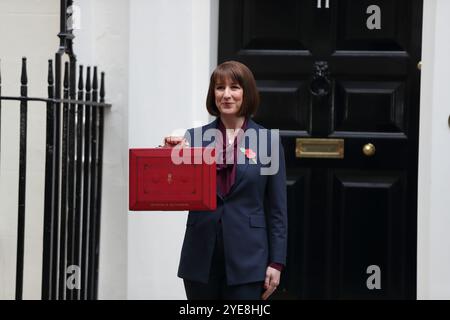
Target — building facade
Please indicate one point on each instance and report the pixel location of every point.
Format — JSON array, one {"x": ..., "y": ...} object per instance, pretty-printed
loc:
[{"x": 158, "y": 56}]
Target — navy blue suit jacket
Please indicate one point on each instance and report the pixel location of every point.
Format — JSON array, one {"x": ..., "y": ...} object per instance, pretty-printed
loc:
[{"x": 254, "y": 221}]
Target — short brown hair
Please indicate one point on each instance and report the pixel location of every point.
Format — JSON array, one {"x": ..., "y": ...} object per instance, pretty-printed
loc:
[{"x": 240, "y": 73}]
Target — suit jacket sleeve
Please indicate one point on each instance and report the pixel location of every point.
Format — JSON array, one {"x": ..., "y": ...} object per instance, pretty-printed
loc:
[{"x": 276, "y": 211}]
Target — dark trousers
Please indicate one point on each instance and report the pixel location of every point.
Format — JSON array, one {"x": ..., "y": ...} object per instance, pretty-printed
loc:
[{"x": 217, "y": 288}]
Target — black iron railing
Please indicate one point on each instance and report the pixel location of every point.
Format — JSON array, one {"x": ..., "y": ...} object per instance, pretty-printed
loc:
[{"x": 73, "y": 174}]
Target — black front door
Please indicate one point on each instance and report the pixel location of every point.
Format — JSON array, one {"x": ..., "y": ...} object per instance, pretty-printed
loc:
[{"x": 340, "y": 79}]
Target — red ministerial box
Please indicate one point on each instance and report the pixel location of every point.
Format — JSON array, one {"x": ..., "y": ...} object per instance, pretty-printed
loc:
[{"x": 158, "y": 183}]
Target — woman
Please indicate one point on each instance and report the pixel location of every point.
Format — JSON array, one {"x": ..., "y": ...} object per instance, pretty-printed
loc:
[{"x": 237, "y": 251}]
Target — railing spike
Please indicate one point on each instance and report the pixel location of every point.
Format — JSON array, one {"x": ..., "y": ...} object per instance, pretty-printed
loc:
[
  {"x": 50, "y": 79},
  {"x": 66, "y": 75},
  {"x": 80, "y": 78},
  {"x": 102, "y": 87},
  {"x": 95, "y": 81},
  {"x": 24, "y": 77},
  {"x": 88, "y": 79}
]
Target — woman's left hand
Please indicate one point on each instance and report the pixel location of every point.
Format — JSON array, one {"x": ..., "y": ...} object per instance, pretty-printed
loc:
[{"x": 271, "y": 283}]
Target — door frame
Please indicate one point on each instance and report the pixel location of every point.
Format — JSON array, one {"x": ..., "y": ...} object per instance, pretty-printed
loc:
[{"x": 432, "y": 279}]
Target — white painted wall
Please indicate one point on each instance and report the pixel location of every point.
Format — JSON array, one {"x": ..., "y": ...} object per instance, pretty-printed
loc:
[
  {"x": 27, "y": 28},
  {"x": 433, "y": 255},
  {"x": 103, "y": 41},
  {"x": 172, "y": 52}
]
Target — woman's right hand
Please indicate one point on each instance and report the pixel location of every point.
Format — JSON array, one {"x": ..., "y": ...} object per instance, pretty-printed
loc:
[{"x": 170, "y": 142}]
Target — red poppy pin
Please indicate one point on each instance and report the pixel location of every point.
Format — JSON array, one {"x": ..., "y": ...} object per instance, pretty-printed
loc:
[{"x": 250, "y": 154}]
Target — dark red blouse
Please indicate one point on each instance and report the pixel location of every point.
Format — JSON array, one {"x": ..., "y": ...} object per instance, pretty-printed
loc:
[{"x": 226, "y": 172}]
